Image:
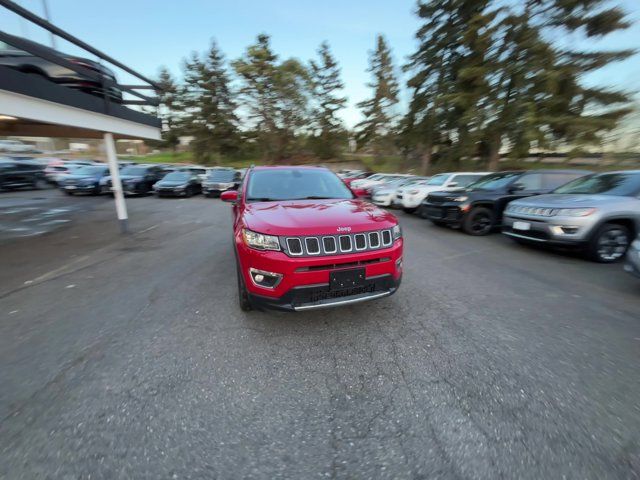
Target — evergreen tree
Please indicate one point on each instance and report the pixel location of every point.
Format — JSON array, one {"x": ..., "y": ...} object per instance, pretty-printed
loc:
[
  {"x": 275, "y": 97},
  {"x": 169, "y": 106},
  {"x": 209, "y": 106},
  {"x": 376, "y": 130},
  {"x": 537, "y": 99},
  {"x": 326, "y": 85}
]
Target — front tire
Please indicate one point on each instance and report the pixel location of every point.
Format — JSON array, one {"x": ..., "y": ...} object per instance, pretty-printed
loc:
[
  {"x": 609, "y": 244},
  {"x": 479, "y": 221},
  {"x": 243, "y": 295}
]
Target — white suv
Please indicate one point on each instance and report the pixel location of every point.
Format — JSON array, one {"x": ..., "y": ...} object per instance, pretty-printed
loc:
[
  {"x": 15, "y": 146},
  {"x": 410, "y": 198}
]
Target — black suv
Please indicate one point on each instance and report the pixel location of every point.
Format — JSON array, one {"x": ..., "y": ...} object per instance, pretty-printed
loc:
[
  {"x": 20, "y": 173},
  {"x": 220, "y": 180},
  {"x": 478, "y": 208},
  {"x": 84, "y": 180},
  {"x": 181, "y": 183},
  {"x": 138, "y": 179}
]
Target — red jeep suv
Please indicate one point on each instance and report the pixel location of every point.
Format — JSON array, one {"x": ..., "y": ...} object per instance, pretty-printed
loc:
[{"x": 304, "y": 241}]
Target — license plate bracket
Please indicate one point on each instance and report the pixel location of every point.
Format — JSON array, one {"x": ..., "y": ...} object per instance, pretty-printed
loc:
[
  {"x": 348, "y": 278},
  {"x": 521, "y": 226}
]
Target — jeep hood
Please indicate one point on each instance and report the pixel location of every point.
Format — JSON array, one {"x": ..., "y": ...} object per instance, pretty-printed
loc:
[
  {"x": 567, "y": 200},
  {"x": 316, "y": 217}
]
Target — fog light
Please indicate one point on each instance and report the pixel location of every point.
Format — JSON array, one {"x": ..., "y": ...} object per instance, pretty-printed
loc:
[{"x": 264, "y": 279}]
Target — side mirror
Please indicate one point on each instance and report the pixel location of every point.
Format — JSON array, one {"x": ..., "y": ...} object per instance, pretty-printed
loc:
[
  {"x": 359, "y": 192},
  {"x": 230, "y": 196},
  {"x": 453, "y": 184},
  {"x": 516, "y": 187}
]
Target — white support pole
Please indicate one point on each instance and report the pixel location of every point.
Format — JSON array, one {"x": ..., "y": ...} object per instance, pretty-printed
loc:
[{"x": 116, "y": 184}]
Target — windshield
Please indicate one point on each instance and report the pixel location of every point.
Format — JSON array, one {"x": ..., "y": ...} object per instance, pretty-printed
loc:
[
  {"x": 494, "y": 181},
  {"x": 177, "y": 176},
  {"x": 90, "y": 170},
  {"x": 438, "y": 179},
  {"x": 221, "y": 175},
  {"x": 295, "y": 184},
  {"x": 133, "y": 171},
  {"x": 620, "y": 184}
]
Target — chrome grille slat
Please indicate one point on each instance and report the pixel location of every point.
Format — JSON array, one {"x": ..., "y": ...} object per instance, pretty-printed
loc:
[{"x": 323, "y": 245}]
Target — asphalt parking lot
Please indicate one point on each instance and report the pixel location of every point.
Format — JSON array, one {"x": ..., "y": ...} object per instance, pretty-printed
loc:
[{"x": 127, "y": 357}]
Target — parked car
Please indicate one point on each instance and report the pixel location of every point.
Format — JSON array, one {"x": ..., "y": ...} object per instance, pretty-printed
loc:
[
  {"x": 84, "y": 179},
  {"x": 632, "y": 264},
  {"x": 348, "y": 179},
  {"x": 410, "y": 198},
  {"x": 181, "y": 183},
  {"x": 20, "y": 174},
  {"x": 478, "y": 208},
  {"x": 599, "y": 213},
  {"x": 15, "y": 146},
  {"x": 220, "y": 180},
  {"x": 28, "y": 63},
  {"x": 136, "y": 179},
  {"x": 302, "y": 241},
  {"x": 385, "y": 195},
  {"x": 376, "y": 179}
]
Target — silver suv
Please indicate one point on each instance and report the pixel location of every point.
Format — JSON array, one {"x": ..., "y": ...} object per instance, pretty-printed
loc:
[{"x": 599, "y": 212}]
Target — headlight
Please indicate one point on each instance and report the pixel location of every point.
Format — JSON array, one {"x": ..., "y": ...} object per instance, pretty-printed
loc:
[
  {"x": 397, "y": 232},
  {"x": 155, "y": 186},
  {"x": 260, "y": 241},
  {"x": 575, "y": 212},
  {"x": 413, "y": 192},
  {"x": 180, "y": 187},
  {"x": 461, "y": 199}
]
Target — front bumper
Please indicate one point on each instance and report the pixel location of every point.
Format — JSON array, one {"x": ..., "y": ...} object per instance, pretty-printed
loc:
[
  {"x": 78, "y": 188},
  {"x": 410, "y": 201},
  {"x": 632, "y": 263},
  {"x": 449, "y": 213},
  {"x": 305, "y": 280},
  {"x": 560, "y": 231},
  {"x": 170, "y": 192},
  {"x": 320, "y": 296},
  {"x": 382, "y": 200}
]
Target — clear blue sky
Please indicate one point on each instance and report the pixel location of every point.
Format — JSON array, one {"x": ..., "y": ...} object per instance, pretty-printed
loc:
[{"x": 145, "y": 34}]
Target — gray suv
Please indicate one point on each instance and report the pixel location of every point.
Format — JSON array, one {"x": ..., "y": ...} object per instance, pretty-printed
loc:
[{"x": 599, "y": 212}]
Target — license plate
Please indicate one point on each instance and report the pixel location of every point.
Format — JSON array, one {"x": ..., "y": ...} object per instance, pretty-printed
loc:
[
  {"x": 340, "y": 279},
  {"x": 521, "y": 226}
]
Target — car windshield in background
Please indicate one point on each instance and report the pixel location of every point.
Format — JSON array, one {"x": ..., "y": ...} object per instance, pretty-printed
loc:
[
  {"x": 89, "y": 170},
  {"x": 620, "y": 184},
  {"x": 177, "y": 176},
  {"x": 133, "y": 171},
  {"x": 295, "y": 184},
  {"x": 494, "y": 181},
  {"x": 438, "y": 179},
  {"x": 221, "y": 176}
]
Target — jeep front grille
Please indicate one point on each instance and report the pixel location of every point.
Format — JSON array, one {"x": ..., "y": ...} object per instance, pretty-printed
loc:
[{"x": 336, "y": 244}]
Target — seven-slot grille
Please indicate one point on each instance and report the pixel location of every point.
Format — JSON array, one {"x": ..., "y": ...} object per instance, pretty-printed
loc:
[{"x": 336, "y": 244}]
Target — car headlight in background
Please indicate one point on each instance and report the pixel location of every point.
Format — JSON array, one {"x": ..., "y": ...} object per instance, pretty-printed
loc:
[
  {"x": 575, "y": 212},
  {"x": 260, "y": 241},
  {"x": 413, "y": 192},
  {"x": 397, "y": 232},
  {"x": 461, "y": 199}
]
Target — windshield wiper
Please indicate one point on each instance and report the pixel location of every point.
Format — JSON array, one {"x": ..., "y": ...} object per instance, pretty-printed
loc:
[
  {"x": 316, "y": 197},
  {"x": 262, "y": 199}
]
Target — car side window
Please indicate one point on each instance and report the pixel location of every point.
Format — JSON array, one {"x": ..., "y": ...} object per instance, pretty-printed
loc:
[
  {"x": 531, "y": 182},
  {"x": 464, "y": 180},
  {"x": 551, "y": 181}
]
